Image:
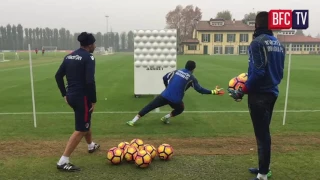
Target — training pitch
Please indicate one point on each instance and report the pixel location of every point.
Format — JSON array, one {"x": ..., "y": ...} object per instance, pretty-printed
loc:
[{"x": 213, "y": 139}]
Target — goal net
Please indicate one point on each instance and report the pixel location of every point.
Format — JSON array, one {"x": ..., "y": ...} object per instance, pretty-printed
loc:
[
  {"x": 2, "y": 58},
  {"x": 110, "y": 50},
  {"x": 100, "y": 51},
  {"x": 49, "y": 50}
]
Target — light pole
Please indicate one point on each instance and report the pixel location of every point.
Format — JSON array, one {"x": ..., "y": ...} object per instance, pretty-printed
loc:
[{"x": 107, "y": 17}]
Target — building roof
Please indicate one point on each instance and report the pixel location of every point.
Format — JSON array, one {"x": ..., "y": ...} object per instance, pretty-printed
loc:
[
  {"x": 298, "y": 39},
  {"x": 229, "y": 25},
  {"x": 191, "y": 41}
]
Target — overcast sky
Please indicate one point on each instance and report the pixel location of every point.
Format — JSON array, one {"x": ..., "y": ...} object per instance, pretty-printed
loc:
[{"x": 125, "y": 15}]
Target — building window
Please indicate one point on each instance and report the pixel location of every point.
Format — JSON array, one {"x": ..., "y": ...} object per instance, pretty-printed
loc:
[
  {"x": 296, "y": 47},
  {"x": 244, "y": 38},
  {"x": 243, "y": 49},
  {"x": 309, "y": 47},
  {"x": 231, "y": 37},
  {"x": 192, "y": 47},
  {"x": 218, "y": 38},
  {"x": 287, "y": 32},
  {"x": 213, "y": 23},
  {"x": 205, "y": 37},
  {"x": 251, "y": 23},
  {"x": 287, "y": 47},
  {"x": 318, "y": 49},
  {"x": 217, "y": 50},
  {"x": 229, "y": 50}
]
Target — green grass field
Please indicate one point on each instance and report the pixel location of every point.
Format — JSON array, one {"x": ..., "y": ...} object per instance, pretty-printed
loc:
[{"x": 213, "y": 139}]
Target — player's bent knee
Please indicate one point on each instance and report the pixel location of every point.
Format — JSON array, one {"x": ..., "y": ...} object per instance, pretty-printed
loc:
[{"x": 82, "y": 132}]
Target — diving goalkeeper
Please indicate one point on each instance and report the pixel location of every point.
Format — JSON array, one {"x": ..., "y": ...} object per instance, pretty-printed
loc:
[{"x": 176, "y": 82}]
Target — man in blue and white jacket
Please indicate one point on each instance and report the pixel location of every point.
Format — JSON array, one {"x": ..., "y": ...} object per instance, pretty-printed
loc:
[
  {"x": 176, "y": 83},
  {"x": 265, "y": 72}
]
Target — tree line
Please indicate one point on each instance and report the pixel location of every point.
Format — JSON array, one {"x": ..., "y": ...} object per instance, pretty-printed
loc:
[
  {"x": 183, "y": 19},
  {"x": 14, "y": 37}
]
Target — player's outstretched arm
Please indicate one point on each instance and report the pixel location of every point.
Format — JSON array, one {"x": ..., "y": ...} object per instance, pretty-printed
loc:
[
  {"x": 259, "y": 57},
  {"x": 199, "y": 89},
  {"x": 59, "y": 79},
  {"x": 90, "y": 80}
]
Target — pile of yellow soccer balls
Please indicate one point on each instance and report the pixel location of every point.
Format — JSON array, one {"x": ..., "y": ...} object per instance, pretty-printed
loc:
[{"x": 139, "y": 153}]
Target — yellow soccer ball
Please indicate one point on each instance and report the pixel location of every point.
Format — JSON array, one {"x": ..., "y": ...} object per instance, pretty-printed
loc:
[
  {"x": 151, "y": 150},
  {"x": 130, "y": 153},
  {"x": 143, "y": 159},
  {"x": 243, "y": 77},
  {"x": 239, "y": 81},
  {"x": 123, "y": 145},
  {"x": 138, "y": 143},
  {"x": 115, "y": 155},
  {"x": 165, "y": 151}
]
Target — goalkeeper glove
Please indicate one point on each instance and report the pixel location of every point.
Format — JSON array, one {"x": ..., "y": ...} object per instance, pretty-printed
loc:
[
  {"x": 236, "y": 94},
  {"x": 217, "y": 91}
]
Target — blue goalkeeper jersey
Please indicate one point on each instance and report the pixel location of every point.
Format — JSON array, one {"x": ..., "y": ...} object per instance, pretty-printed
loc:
[
  {"x": 177, "y": 82},
  {"x": 266, "y": 64}
]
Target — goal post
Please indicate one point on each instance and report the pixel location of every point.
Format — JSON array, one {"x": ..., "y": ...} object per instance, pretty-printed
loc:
[
  {"x": 2, "y": 58},
  {"x": 100, "y": 51},
  {"x": 110, "y": 50},
  {"x": 16, "y": 55},
  {"x": 51, "y": 50}
]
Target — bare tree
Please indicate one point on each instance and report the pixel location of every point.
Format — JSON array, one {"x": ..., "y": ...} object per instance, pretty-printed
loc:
[
  {"x": 318, "y": 35},
  {"x": 183, "y": 20},
  {"x": 190, "y": 16},
  {"x": 226, "y": 15},
  {"x": 249, "y": 17}
]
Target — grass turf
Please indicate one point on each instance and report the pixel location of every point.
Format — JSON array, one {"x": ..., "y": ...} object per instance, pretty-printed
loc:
[{"x": 216, "y": 145}]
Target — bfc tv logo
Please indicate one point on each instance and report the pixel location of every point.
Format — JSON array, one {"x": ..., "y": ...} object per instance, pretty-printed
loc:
[{"x": 288, "y": 19}]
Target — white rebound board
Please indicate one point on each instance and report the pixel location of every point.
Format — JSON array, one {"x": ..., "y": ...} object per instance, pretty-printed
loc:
[{"x": 155, "y": 54}]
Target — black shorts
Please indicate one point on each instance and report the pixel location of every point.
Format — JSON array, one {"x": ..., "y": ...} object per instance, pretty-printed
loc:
[{"x": 81, "y": 107}]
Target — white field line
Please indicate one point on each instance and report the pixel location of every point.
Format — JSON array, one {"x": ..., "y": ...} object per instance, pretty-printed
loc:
[{"x": 134, "y": 112}]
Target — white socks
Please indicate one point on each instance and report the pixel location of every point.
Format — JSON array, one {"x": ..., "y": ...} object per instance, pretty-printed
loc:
[
  {"x": 167, "y": 116},
  {"x": 91, "y": 146},
  {"x": 136, "y": 118},
  {"x": 262, "y": 176},
  {"x": 63, "y": 160}
]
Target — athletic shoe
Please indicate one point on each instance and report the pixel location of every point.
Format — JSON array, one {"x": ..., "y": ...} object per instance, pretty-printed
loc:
[
  {"x": 256, "y": 171},
  {"x": 130, "y": 123},
  {"x": 165, "y": 120},
  {"x": 95, "y": 147},
  {"x": 256, "y": 179},
  {"x": 68, "y": 167}
]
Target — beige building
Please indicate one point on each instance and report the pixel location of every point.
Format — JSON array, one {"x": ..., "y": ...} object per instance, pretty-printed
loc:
[{"x": 218, "y": 36}]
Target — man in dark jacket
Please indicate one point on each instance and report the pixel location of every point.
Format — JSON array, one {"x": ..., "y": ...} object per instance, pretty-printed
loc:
[
  {"x": 79, "y": 69},
  {"x": 265, "y": 72}
]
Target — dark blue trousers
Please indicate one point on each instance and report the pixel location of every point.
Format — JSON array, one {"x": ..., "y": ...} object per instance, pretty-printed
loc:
[
  {"x": 160, "y": 101},
  {"x": 261, "y": 108}
]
